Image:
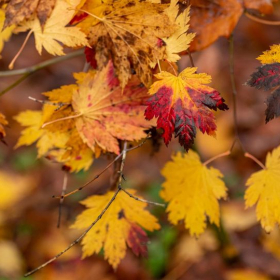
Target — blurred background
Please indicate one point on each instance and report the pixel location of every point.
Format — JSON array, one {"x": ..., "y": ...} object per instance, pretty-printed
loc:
[{"x": 239, "y": 250}]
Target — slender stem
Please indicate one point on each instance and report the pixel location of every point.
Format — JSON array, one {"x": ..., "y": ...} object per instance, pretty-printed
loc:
[
  {"x": 41, "y": 65},
  {"x": 104, "y": 170},
  {"x": 62, "y": 119},
  {"x": 58, "y": 104},
  {"x": 255, "y": 160},
  {"x": 191, "y": 59},
  {"x": 26, "y": 72},
  {"x": 11, "y": 65},
  {"x": 218, "y": 156},
  {"x": 159, "y": 68},
  {"x": 78, "y": 239},
  {"x": 143, "y": 200},
  {"x": 259, "y": 20},
  {"x": 64, "y": 186},
  {"x": 234, "y": 92}
]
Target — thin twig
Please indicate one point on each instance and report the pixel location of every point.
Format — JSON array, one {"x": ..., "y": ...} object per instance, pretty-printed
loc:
[
  {"x": 259, "y": 20},
  {"x": 41, "y": 65},
  {"x": 78, "y": 239},
  {"x": 57, "y": 104},
  {"x": 64, "y": 186},
  {"x": 104, "y": 170},
  {"x": 255, "y": 160},
  {"x": 191, "y": 59},
  {"x": 218, "y": 156},
  {"x": 119, "y": 188},
  {"x": 26, "y": 72},
  {"x": 234, "y": 91},
  {"x": 143, "y": 200}
]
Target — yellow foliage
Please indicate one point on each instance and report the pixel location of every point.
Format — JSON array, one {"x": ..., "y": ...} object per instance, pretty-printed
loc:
[
  {"x": 55, "y": 29},
  {"x": 271, "y": 56},
  {"x": 6, "y": 33},
  {"x": 111, "y": 232},
  {"x": 245, "y": 274},
  {"x": 192, "y": 190},
  {"x": 263, "y": 191},
  {"x": 180, "y": 40}
]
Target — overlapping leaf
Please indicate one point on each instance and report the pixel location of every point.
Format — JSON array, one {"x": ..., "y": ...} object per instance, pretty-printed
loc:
[
  {"x": 55, "y": 29},
  {"x": 19, "y": 10},
  {"x": 5, "y": 33},
  {"x": 105, "y": 113},
  {"x": 3, "y": 122},
  {"x": 182, "y": 103},
  {"x": 119, "y": 225},
  {"x": 267, "y": 77},
  {"x": 128, "y": 32},
  {"x": 264, "y": 191},
  {"x": 192, "y": 191}
]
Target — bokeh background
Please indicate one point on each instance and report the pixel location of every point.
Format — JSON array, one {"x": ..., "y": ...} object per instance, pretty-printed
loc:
[{"x": 28, "y": 214}]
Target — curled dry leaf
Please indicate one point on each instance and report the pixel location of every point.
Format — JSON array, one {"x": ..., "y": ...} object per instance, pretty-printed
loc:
[
  {"x": 119, "y": 225},
  {"x": 213, "y": 19},
  {"x": 20, "y": 10},
  {"x": 263, "y": 187},
  {"x": 182, "y": 103},
  {"x": 192, "y": 191}
]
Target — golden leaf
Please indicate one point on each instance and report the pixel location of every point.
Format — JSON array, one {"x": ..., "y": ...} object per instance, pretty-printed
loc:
[
  {"x": 192, "y": 190},
  {"x": 6, "y": 33},
  {"x": 112, "y": 231},
  {"x": 55, "y": 29},
  {"x": 271, "y": 56},
  {"x": 263, "y": 191}
]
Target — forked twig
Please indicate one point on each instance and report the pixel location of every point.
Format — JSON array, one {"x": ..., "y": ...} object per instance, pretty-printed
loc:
[
  {"x": 95, "y": 221},
  {"x": 78, "y": 239},
  {"x": 216, "y": 157},
  {"x": 143, "y": 200},
  {"x": 104, "y": 170}
]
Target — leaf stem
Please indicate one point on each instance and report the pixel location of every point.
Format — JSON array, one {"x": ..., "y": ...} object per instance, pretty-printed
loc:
[
  {"x": 259, "y": 20},
  {"x": 11, "y": 65},
  {"x": 143, "y": 200},
  {"x": 218, "y": 156},
  {"x": 62, "y": 119},
  {"x": 255, "y": 160}
]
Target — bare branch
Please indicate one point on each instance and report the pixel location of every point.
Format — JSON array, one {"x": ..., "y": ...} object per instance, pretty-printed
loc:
[{"x": 64, "y": 186}]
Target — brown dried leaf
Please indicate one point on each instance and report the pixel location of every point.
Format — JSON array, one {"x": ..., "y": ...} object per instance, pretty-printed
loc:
[
  {"x": 213, "y": 19},
  {"x": 3, "y": 122},
  {"x": 19, "y": 10}
]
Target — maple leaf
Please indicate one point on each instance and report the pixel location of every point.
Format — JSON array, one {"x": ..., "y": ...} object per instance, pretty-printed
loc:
[
  {"x": 192, "y": 190},
  {"x": 5, "y": 33},
  {"x": 119, "y": 224},
  {"x": 267, "y": 77},
  {"x": 55, "y": 29},
  {"x": 263, "y": 189},
  {"x": 179, "y": 41},
  {"x": 103, "y": 113},
  {"x": 127, "y": 32},
  {"x": 182, "y": 103},
  {"x": 19, "y": 10}
]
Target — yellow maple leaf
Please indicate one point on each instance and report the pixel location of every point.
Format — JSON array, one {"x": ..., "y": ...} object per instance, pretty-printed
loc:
[
  {"x": 112, "y": 231},
  {"x": 263, "y": 191},
  {"x": 192, "y": 190},
  {"x": 47, "y": 140},
  {"x": 180, "y": 40},
  {"x": 270, "y": 56},
  {"x": 55, "y": 29},
  {"x": 6, "y": 33}
]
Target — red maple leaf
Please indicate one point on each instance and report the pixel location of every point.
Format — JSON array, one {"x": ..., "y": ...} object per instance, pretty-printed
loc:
[{"x": 182, "y": 103}]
